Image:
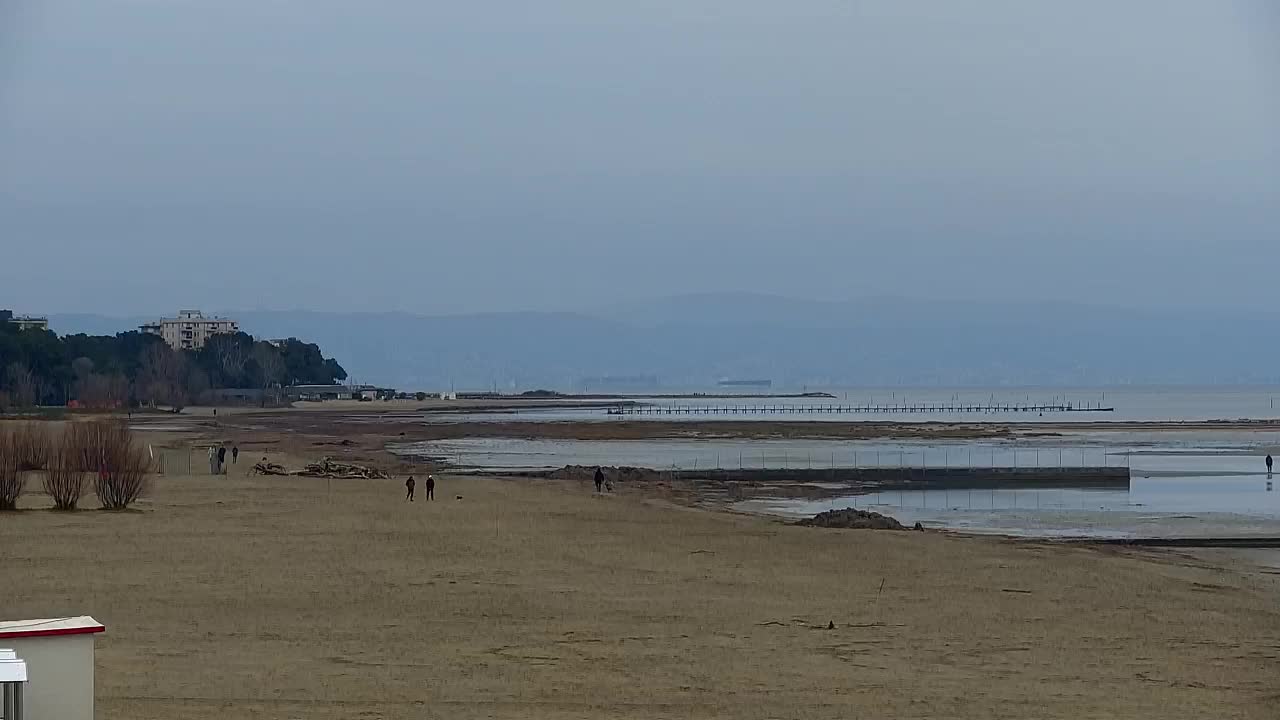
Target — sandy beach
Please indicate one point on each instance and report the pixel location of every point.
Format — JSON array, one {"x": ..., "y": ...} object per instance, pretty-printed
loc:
[{"x": 297, "y": 597}]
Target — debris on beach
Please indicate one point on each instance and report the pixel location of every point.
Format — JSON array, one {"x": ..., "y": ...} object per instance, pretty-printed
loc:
[
  {"x": 850, "y": 518},
  {"x": 327, "y": 468},
  {"x": 330, "y": 468},
  {"x": 269, "y": 468}
]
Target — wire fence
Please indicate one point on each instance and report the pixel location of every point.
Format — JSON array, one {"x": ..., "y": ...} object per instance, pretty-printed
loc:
[
  {"x": 753, "y": 457},
  {"x": 189, "y": 461}
]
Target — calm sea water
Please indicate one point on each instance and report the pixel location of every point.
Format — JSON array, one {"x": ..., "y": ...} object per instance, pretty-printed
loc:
[
  {"x": 1143, "y": 404},
  {"x": 1178, "y": 454}
]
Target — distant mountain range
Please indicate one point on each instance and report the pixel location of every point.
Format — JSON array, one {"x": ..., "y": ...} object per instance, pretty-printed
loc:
[{"x": 692, "y": 341}]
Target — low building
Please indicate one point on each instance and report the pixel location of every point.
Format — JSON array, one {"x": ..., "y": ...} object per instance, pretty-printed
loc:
[
  {"x": 315, "y": 393},
  {"x": 59, "y": 664},
  {"x": 190, "y": 330},
  {"x": 238, "y": 396},
  {"x": 30, "y": 322}
]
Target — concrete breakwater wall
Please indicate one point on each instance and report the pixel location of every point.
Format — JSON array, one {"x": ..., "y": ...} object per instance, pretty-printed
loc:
[{"x": 895, "y": 478}]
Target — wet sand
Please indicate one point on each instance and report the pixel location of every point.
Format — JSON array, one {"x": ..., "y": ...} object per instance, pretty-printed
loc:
[
  {"x": 296, "y": 597},
  {"x": 291, "y": 597}
]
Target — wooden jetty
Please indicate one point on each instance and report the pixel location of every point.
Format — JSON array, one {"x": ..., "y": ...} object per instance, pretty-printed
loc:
[{"x": 837, "y": 409}]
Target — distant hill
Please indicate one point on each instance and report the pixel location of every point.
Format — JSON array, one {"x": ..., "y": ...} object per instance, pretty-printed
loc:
[{"x": 691, "y": 341}]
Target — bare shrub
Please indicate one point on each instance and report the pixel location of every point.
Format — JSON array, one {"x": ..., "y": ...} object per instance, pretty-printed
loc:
[
  {"x": 90, "y": 440},
  {"x": 22, "y": 385},
  {"x": 32, "y": 446},
  {"x": 119, "y": 464},
  {"x": 123, "y": 477},
  {"x": 64, "y": 475},
  {"x": 11, "y": 480}
]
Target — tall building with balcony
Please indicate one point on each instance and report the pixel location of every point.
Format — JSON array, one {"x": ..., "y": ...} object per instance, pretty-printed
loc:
[
  {"x": 30, "y": 322},
  {"x": 190, "y": 330}
]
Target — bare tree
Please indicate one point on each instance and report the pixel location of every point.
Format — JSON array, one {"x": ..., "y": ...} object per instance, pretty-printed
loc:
[
  {"x": 162, "y": 377},
  {"x": 98, "y": 390},
  {"x": 22, "y": 384},
  {"x": 103, "y": 391},
  {"x": 270, "y": 369},
  {"x": 232, "y": 355}
]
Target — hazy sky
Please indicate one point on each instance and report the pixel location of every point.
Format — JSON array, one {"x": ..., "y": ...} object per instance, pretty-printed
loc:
[{"x": 460, "y": 156}]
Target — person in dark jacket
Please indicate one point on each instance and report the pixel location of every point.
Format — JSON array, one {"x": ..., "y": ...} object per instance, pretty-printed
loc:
[
  {"x": 1268, "y": 464},
  {"x": 431, "y": 487},
  {"x": 222, "y": 459},
  {"x": 235, "y": 454},
  {"x": 409, "y": 485},
  {"x": 599, "y": 479}
]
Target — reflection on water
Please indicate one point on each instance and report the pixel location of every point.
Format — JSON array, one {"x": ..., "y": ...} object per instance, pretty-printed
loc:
[
  {"x": 499, "y": 454},
  {"x": 1172, "y": 480},
  {"x": 1243, "y": 495}
]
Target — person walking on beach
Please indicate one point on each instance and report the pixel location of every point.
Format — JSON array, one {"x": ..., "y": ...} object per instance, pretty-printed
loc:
[
  {"x": 235, "y": 454},
  {"x": 431, "y": 487},
  {"x": 222, "y": 459},
  {"x": 409, "y": 485},
  {"x": 599, "y": 479},
  {"x": 211, "y": 461},
  {"x": 1268, "y": 464}
]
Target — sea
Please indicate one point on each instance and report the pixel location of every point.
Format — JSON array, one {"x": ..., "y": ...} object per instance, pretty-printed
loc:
[
  {"x": 1104, "y": 404},
  {"x": 1184, "y": 481}
]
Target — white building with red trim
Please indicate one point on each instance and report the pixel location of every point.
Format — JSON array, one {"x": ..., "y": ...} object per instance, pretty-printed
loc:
[{"x": 59, "y": 657}]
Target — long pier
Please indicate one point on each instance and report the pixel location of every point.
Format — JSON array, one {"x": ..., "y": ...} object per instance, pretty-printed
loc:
[{"x": 836, "y": 409}]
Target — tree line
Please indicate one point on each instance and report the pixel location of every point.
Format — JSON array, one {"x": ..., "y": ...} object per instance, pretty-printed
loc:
[{"x": 39, "y": 367}]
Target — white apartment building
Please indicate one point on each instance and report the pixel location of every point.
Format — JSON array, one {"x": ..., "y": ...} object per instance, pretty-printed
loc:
[
  {"x": 30, "y": 322},
  {"x": 190, "y": 330}
]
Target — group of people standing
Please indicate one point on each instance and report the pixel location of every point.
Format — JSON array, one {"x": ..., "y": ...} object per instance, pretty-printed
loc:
[
  {"x": 410, "y": 484},
  {"x": 218, "y": 458}
]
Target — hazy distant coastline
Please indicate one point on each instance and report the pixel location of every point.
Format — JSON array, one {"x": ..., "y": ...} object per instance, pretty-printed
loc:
[{"x": 687, "y": 343}]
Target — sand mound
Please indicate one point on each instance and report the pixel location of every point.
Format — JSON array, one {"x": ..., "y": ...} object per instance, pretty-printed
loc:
[{"x": 855, "y": 519}]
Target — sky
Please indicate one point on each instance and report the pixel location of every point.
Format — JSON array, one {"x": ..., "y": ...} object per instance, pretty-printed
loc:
[{"x": 447, "y": 157}]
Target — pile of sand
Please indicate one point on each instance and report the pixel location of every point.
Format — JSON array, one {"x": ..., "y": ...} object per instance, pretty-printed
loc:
[{"x": 854, "y": 519}]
